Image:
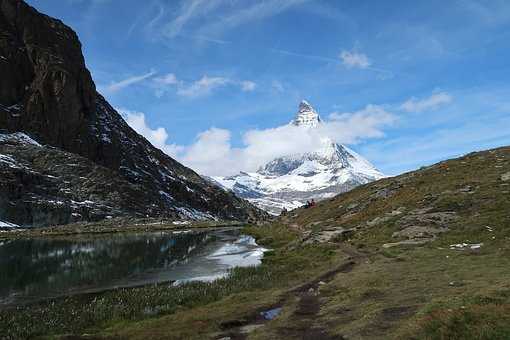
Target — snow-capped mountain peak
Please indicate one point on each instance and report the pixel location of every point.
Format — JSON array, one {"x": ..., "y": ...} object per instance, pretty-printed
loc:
[
  {"x": 290, "y": 180},
  {"x": 330, "y": 157},
  {"x": 306, "y": 116}
]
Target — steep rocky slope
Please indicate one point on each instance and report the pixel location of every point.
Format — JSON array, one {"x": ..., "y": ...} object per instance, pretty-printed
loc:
[
  {"x": 47, "y": 92},
  {"x": 42, "y": 185},
  {"x": 289, "y": 181}
]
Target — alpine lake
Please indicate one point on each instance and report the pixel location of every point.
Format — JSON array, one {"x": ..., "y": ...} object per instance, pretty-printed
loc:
[{"x": 35, "y": 269}]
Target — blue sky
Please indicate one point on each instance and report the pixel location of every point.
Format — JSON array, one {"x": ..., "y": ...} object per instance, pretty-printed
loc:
[{"x": 210, "y": 81}]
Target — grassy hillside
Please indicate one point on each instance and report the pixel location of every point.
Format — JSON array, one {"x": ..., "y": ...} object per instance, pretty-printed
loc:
[
  {"x": 425, "y": 255},
  {"x": 430, "y": 252}
]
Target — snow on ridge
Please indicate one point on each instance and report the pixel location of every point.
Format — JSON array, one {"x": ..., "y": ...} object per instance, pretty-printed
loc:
[
  {"x": 17, "y": 137},
  {"x": 4, "y": 224},
  {"x": 11, "y": 162},
  {"x": 321, "y": 179},
  {"x": 195, "y": 215}
]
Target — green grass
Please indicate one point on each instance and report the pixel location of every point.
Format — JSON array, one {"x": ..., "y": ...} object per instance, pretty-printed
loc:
[
  {"x": 484, "y": 317},
  {"x": 75, "y": 314}
]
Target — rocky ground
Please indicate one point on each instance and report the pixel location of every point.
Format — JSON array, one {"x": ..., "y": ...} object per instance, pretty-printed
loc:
[
  {"x": 42, "y": 186},
  {"x": 113, "y": 225}
]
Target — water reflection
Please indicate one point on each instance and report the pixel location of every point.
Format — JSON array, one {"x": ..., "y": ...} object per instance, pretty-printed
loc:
[{"x": 41, "y": 268}]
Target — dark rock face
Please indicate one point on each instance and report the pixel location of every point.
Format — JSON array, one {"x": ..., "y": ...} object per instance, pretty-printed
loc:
[
  {"x": 45, "y": 87},
  {"x": 41, "y": 185},
  {"x": 47, "y": 92}
]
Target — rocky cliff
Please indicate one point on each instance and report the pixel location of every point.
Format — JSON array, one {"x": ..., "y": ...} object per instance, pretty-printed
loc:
[{"x": 47, "y": 93}]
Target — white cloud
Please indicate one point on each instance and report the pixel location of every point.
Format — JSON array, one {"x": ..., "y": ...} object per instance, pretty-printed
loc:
[
  {"x": 212, "y": 152},
  {"x": 207, "y": 39},
  {"x": 430, "y": 103},
  {"x": 304, "y": 55},
  {"x": 362, "y": 124},
  {"x": 158, "y": 137},
  {"x": 277, "y": 86},
  {"x": 167, "y": 79},
  {"x": 261, "y": 146},
  {"x": 353, "y": 59},
  {"x": 116, "y": 86},
  {"x": 164, "y": 83},
  {"x": 189, "y": 11},
  {"x": 202, "y": 86},
  {"x": 205, "y": 19},
  {"x": 248, "y": 85},
  {"x": 160, "y": 12},
  {"x": 242, "y": 15}
]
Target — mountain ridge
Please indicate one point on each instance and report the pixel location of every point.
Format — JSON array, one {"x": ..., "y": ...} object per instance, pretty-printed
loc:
[{"x": 47, "y": 92}]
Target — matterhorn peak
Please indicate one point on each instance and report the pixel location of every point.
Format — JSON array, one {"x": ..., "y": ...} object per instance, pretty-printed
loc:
[
  {"x": 306, "y": 116},
  {"x": 322, "y": 171}
]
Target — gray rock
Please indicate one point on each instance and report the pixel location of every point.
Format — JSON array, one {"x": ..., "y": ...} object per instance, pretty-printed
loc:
[
  {"x": 378, "y": 220},
  {"x": 329, "y": 235},
  {"x": 505, "y": 177},
  {"x": 423, "y": 217},
  {"x": 406, "y": 243},
  {"x": 418, "y": 232},
  {"x": 250, "y": 328}
]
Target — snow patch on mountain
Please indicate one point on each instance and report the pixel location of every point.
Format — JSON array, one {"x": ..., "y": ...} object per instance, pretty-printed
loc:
[
  {"x": 289, "y": 181},
  {"x": 8, "y": 225},
  {"x": 18, "y": 138},
  {"x": 306, "y": 116}
]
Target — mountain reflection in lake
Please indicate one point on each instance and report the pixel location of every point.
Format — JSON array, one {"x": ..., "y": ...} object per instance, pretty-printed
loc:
[{"x": 35, "y": 269}]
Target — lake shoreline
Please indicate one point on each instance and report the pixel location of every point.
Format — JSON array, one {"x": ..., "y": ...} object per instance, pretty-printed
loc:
[
  {"x": 117, "y": 225},
  {"x": 176, "y": 256}
]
